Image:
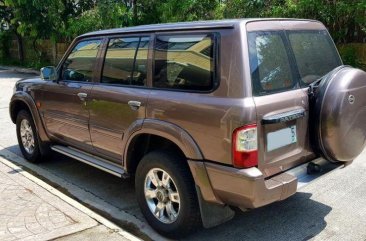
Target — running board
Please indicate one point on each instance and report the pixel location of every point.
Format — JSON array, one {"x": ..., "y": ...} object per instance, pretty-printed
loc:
[
  {"x": 311, "y": 171},
  {"x": 91, "y": 160}
]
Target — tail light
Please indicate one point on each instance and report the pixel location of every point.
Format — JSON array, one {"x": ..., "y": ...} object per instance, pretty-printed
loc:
[{"x": 245, "y": 147}]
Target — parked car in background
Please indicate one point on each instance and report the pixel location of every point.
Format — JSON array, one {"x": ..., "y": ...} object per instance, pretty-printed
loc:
[{"x": 205, "y": 116}]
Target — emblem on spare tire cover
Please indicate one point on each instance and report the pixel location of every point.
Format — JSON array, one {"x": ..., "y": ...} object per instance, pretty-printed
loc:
[{"x": 351, "y": 99}]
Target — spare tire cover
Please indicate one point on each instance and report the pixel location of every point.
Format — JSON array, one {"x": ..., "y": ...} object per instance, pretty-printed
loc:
[{"x": 338, "y": 114}]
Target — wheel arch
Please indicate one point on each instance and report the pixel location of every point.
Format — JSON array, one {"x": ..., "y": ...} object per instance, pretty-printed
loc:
[
  {"x": 165, "y": 133},
  {"x": 23, "y": 101}
]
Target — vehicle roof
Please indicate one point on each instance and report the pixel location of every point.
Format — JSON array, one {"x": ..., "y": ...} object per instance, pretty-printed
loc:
[{"x": 195, "y": 25}]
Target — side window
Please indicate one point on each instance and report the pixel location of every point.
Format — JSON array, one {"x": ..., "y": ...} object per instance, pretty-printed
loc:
[
  {"x": 126, "y": 61},
  {"x": 269, "y": 63},
  {"x": 184, "y": 62},
  {"x": 80, "y": 63}
]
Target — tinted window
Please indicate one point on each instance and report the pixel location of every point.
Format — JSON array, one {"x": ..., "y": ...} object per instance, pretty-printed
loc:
[
  {"x": 80, "y": 63},
  {"x": 315, "y": 54},
  {"x": 184, "y": 62},
  {"x": 126, "y": 61},
  {"x": 269, "y": 63}
]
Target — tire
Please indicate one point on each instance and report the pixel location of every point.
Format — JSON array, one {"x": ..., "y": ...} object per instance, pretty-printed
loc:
[
  {"x": 338, "y": 116},
  {"x": 187, "y": 217},
  {"x": 31, "y": 152}
]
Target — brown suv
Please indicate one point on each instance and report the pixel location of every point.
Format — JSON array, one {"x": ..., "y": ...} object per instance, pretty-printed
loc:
[{"x": 205, "y": 115}]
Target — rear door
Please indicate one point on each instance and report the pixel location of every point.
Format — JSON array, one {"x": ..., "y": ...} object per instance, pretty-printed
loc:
[
  {"x": 281, "y": 104},
  {"x": 118, "y": 99}
]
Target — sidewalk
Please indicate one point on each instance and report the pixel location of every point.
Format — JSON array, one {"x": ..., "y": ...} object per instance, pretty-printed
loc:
[
  {"x": 20, "y": 69},
  {"x": 32, "y": 210}
]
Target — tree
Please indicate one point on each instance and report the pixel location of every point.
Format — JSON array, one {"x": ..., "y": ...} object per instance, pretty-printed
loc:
[
  {"x": 102, "y": 15},
  {"x": 345, "y": 19},
  {"x": 160, "y": 11},
  {"x": 7, "y": 24}
]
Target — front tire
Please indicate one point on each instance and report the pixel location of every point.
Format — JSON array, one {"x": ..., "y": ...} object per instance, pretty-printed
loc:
[
  {"x": 166, "y": 194},
  {"x": 28, "y": 137}
]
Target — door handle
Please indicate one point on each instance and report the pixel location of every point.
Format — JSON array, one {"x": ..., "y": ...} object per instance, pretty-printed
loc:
[
  {"x": 284, "y": 117},
  {"x": 135, "y": 105},
  {"x": 82, "y": 96}
]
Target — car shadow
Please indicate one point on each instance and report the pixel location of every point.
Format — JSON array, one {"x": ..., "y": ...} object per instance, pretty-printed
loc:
[{"x": 296, "y": 218}]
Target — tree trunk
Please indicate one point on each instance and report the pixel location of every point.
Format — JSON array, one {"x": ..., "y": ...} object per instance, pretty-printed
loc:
[
  {"x": 20, "y": 48},
  {"x": 134, "y": 5},
  {"x": 54, "y": 52}
]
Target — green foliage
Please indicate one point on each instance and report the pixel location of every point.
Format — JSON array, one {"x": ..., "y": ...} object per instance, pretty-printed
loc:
[
  {"x": 4, "y": 45},
  {"x": 86, "y": 22},
  {"x": 251, "y": 8},
  {"x": 350, "y": 57},
  {"x": 345, "y": 19},
  {"x": 160, "y": 11},
  {"x": 105, "y": 14},
  {"x": 63, "y": 20},
  {"x": 36, "y": 18}
]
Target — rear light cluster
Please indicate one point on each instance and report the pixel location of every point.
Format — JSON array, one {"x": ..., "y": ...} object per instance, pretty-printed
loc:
[{"x": 245, "y": 146}]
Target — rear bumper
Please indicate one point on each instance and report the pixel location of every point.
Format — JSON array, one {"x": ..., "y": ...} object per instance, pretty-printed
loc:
[{"x": 247, "y": 188}]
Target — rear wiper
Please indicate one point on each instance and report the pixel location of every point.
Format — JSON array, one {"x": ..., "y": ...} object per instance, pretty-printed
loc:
[{"x": 314, "y": 85}]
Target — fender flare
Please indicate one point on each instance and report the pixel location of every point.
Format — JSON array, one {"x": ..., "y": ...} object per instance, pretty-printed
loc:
[
  {"x": 26, "y": 99},
  {"x": 169, "y": 131}
]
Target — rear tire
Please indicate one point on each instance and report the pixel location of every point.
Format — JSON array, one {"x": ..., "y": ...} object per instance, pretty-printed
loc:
[
  {"x": 173, "y": 194},
  {"x": 28, "y": 137}
]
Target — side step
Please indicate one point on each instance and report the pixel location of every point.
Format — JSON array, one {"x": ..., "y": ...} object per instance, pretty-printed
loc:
[
  {"x": 91, "y": 160},
  {"x": 306, "y": 173}
]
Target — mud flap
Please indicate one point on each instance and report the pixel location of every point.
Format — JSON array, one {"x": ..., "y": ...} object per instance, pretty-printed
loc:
[{"x": 213, "y": 214}]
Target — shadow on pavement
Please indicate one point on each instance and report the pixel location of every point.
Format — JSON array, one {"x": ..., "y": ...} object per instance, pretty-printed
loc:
[{"x": 297, "y": 218}]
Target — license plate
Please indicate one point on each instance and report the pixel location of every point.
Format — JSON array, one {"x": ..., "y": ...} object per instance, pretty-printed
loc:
[{"x": 281, "y": 138}]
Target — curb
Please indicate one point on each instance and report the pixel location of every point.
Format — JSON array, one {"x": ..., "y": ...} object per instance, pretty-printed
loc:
[
  {"x": 20, "y": 69},
  {"x": 71, "y": 201}
]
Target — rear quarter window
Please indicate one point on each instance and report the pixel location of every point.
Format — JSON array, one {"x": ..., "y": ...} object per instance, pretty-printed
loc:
[{"x": 184, "y": 62}]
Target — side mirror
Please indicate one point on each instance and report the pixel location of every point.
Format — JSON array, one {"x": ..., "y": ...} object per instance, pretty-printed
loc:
[{"x": 49, "y": 73}]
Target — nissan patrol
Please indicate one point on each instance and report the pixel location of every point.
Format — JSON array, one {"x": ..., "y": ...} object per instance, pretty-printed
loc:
[{"x": 205, "y": 116}]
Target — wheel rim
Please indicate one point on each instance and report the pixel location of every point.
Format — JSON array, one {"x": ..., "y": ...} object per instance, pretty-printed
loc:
[
  {"x": 162, "y": 195},
  {"x": 27, "y": 136}
]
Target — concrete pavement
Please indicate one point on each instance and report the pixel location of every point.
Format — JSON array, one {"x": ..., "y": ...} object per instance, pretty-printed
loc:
[
  {"x": 32, "y": 210},
  {"x": 29, "y": 212}
]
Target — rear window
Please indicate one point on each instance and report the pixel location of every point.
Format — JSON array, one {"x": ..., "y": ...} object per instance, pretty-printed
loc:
[
  {"x": 184, "y": 62},
  {"x": 269, "y": 63},
  {"x": 315, "y": 54},
  {"x": 280, "y": 60}
]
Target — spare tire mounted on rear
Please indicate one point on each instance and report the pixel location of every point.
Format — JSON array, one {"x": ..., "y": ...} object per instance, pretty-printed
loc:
[{"x": 337, "y": 106}]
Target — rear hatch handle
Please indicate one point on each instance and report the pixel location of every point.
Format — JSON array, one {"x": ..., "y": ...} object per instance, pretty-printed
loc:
[{"x": 284, "y": 117}]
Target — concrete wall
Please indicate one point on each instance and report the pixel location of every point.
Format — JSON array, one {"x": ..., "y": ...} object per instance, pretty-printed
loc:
[{"x": 51, "y": 52}]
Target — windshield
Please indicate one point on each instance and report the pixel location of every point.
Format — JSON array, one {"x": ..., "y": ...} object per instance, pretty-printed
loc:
[{"x": 279, "y": 60}]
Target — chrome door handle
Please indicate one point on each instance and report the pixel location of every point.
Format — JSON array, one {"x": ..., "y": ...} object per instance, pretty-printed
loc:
[
  {"x": 135, "y": 105},
  {"x": 82, "y": 96}
]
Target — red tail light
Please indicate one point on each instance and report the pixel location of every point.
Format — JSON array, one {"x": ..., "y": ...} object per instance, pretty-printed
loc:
[{"x": 245, "y": 147}]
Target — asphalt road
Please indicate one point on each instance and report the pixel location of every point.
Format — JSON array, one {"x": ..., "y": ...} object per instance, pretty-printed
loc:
[{"x": 332, "y": 208}]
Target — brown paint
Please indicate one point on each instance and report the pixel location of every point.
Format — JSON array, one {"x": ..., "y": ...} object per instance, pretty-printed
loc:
[{"x": 200, "y": 124}]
